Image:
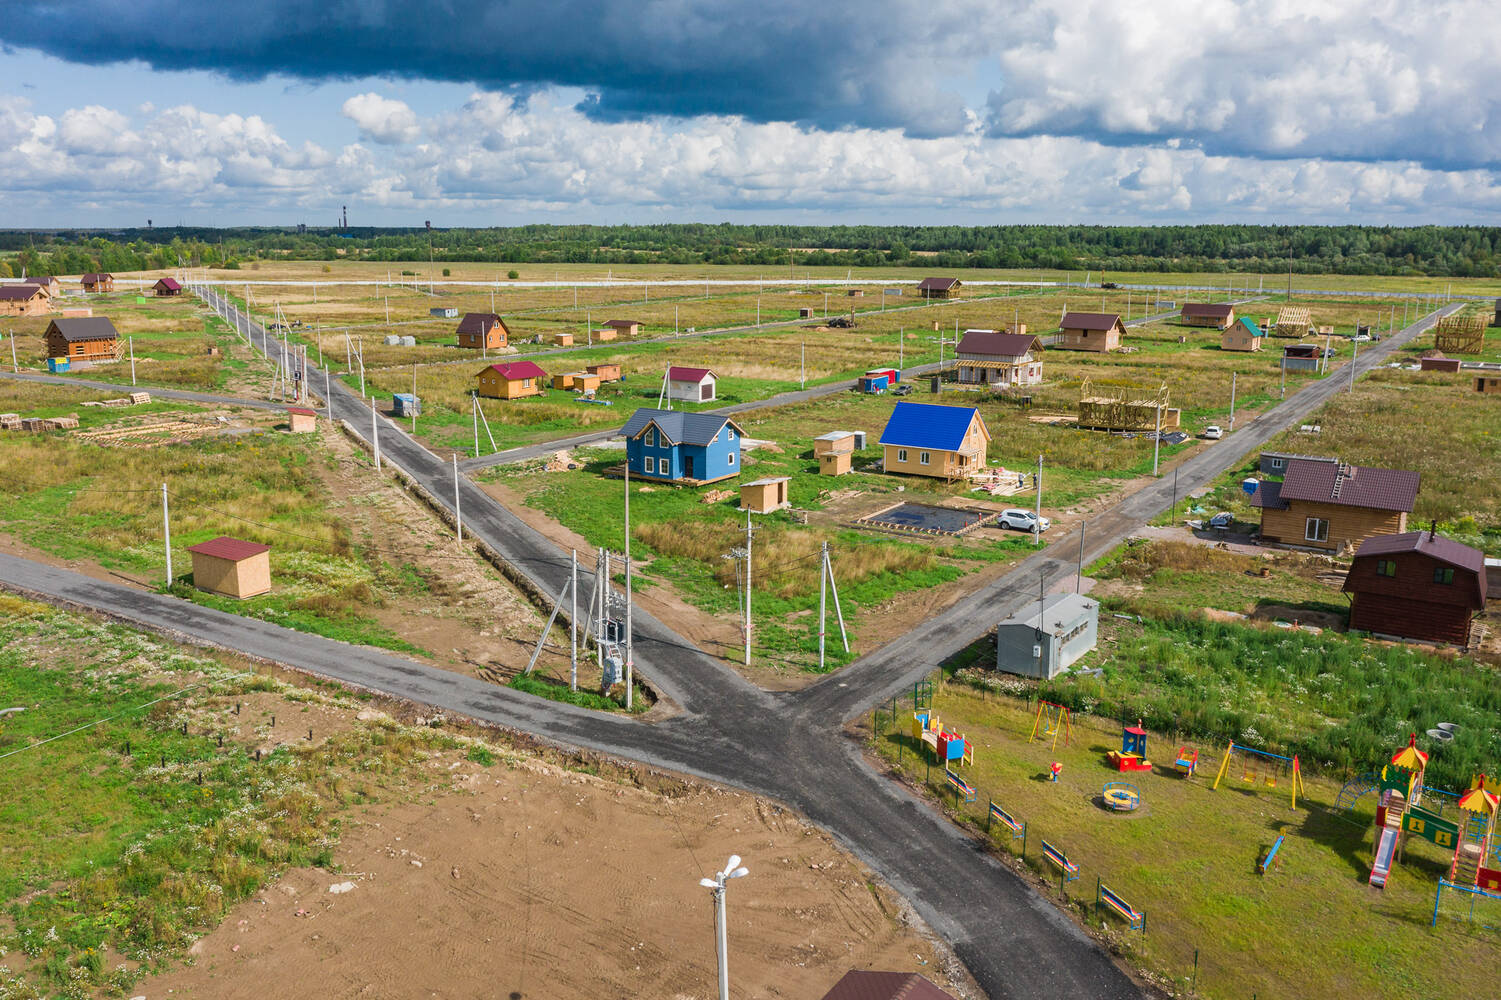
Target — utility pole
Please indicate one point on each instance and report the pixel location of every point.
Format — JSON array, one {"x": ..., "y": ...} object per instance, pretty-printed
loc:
[
  {"x": 131, "y": 340},
  {"x": 1037, "y": 513},
  {"x": 458, "y": 515},
  {"x": 573, "y": 619},
  {"x": 474, "y": 417},
  {"x": 375, "y": 433},
  {"x": 328, "y": 397},
  {"x": 414, "y": 397},
  {"x": 1232, "y": 401},
  {"x": 1354, "y": 355},
  {"x": 1284, "y": 376},
  {"x": 1157, "y": 438},
  {"x": 823, "y": 581},
  {"x": 749, "y": 534},
  {"x": 1079, "y": 574},
  {"x": 803, "y": 376},
  {"x": 167, "y": 534},
  {"x": 629, "y": 665}
]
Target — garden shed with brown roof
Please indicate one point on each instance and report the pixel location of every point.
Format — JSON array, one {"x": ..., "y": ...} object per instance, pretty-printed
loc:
[
  {"x": 232, "y": 567},
  {"x": 167, "y": 286}
]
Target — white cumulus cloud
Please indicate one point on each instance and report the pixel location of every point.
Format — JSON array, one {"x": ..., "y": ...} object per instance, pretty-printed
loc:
[{"x": 382, "y": 119}]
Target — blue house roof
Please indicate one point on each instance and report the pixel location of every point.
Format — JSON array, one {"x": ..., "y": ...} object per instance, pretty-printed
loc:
[
  {"x": 928, "y": 425},
  {"x": 678, "y": 427}
]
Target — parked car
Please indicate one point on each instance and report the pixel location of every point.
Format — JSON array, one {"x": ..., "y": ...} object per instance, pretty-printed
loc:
[
  {"x": 1214, "y": 432},
  {"x": 1022, "y": 520},
  {"x": 905, "y": 389},
  {"x": 1221, "y": 520}
]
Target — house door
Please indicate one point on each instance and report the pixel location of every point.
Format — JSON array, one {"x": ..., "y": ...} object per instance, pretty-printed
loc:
[
  {"x": 688, "y": 467},
  {"x": 705, "y": 392}
]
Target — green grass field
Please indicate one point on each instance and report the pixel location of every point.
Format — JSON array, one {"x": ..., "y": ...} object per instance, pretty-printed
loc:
[{"x": 1188, "y": 857}]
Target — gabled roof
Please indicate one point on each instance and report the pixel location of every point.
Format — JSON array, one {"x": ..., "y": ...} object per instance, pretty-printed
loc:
[
  {"x": 860, "y": 984},
  {"x": 679, "y": 427},
  {"x": 93, "y": 276},
  {"x": 513, "y": 370},
  {"x": 929, "y": 425},
  {"x": 1249, "y": 327},
  {"x": 938, "y": 284},
  {"x": 84, "y": 328},
  {"x": 22, "y": 292},
  {"x": 233, "y": 549},
  {"x": 169, "y": 283},
  {"x": 1445, "y": 550},
  {"x": 1089, "y": 321},
  {"x": 621, "y": 324},
  {"x": 1350, "y": 485},
  {"x": 1268, "y": 496},
  {"x": 1005, "y": 345},
  {"x": 677, "y": 373},
  {"x": 480, "y": 323},
  {"x": 1208, "y": 310}
]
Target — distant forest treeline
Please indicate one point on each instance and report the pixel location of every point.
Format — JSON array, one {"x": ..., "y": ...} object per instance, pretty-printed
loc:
[{"x": 1456, "y": 251}]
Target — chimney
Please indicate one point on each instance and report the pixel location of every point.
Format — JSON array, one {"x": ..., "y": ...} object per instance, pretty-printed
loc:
[{"x": 1432, "y": 529}]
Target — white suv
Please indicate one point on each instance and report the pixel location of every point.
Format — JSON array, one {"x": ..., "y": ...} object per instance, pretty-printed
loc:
[
  {"x": 1022, "y": 520},
  {"x": 1214, "y": 432}
]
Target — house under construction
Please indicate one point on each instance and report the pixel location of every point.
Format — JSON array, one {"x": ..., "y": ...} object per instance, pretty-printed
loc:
[
  {"x": 1115, "y": 410},
  {"x": 1460, "y": 334},
  {"x": 1292, "y": 321}
]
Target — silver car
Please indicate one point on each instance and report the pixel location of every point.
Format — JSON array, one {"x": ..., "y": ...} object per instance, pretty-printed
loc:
[{"x": 1022, "y": 520}]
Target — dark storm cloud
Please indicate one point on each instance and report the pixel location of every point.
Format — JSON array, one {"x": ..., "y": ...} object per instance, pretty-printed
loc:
[{"x": 831, "y": 63}]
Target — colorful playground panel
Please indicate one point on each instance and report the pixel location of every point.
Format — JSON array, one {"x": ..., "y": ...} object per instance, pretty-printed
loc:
[
  {"x": 1132, "y": 756},
  {"x": 1187, "y": 763}
]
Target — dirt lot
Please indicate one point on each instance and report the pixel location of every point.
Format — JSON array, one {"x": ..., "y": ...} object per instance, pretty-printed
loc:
[{"x": 533, "y": 881}]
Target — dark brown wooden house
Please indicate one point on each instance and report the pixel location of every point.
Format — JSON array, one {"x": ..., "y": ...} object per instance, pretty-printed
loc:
[
  {"x": 939, "y": 288},
  {"x": 167, "y": 286},
  {"x": 1417, "y": 586},
  {"x": 98, "y": 281},
  {"x": 84, "y": 338},
  {"x": 483, "y": 330}
]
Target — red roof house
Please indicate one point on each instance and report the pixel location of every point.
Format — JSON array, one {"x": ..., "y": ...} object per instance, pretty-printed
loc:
[
  {"x": 1416, "y": 585},
  {"x": 167, "y": 286},
  {"x": 691, "y": 385},
  {"x": 511, "y": 380}
]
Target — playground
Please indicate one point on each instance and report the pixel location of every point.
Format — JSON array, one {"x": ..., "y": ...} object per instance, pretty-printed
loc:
[{"x": 1239, "y": 892}]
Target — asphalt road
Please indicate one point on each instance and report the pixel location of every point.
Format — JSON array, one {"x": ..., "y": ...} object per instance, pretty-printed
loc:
[{"x": 788, "y": 746}]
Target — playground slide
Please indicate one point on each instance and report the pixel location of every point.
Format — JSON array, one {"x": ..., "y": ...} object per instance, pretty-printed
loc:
[{"x": 1382, "y": 866}]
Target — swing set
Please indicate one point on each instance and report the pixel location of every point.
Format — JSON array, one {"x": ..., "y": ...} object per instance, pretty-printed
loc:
[
  {"x": 1260, "y": 767},
  {"x": 1051, "y": 720}
]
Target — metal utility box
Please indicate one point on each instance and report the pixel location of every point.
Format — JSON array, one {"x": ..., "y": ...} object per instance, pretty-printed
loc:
[
  {"x": 404, "y": 404},
  {"x": 1043, "y": 644}
]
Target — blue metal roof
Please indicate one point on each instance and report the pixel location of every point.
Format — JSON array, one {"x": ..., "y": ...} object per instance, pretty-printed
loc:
[
  {"x": 928, "y": 425},
  {"x": 1251, "y": 328},
  {"x": 679, "y": 427}
]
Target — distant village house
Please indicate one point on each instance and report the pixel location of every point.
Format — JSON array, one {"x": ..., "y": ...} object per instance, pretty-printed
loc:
[
  {"x": 1333, "y": 505},
  {"x": 167, "y": 286},
  {"x": 1099, "y": 332},
  {"x": 480, "y": 331},
  {"x": 23, "y": 300},
  {"x": 677, "y": 447},
  {"x": 927, "y": 439},
  {"x": 999, "y": 359},
  {"x": 511, "y": 380},
  {"x": 1217, "y": 315},
  {"x": 98, "y": 281},
  {"x": 1243, "y": 335},
  {"x": 939, "y": 288}
]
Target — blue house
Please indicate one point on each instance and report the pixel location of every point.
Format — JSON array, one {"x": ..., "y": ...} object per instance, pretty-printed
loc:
[{"x": 675, "y": 447}]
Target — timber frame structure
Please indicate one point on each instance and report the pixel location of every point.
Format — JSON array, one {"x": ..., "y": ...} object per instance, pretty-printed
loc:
[
  {"x": 1460, "y": 334},
  {"x": 1117, "y": 412},
  {"x": 1292, "y": 321}
]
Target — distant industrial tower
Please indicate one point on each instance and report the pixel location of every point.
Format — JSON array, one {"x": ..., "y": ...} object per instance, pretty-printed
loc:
[{"x": 345, "y": 217}]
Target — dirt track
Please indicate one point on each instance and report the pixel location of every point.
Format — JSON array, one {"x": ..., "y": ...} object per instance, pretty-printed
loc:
[{"x": 534, "y": 881}]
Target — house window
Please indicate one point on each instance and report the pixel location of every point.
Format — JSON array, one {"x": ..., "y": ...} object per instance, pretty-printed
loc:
[
  {"x": 662, "y": 467},
  {"x": 1443, "y": 574},
  {"x": 1278, "y": 464},
  {"x": 922, "y": 457},
  {"x": 1316, "y": 529},
  {"x": 1386, "y": 567},
  {"x": 901, "y": 454},
  {"x": 651, "y": 437},
  {"x": 732, "y": 458}
]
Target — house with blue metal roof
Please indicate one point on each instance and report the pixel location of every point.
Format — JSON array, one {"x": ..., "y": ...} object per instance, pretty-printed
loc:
[
  {"x": 688, "y": 448},
  {"x": 927, "y": 439}
]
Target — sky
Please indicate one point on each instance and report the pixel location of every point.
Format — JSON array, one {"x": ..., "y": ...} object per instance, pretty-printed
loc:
[{"x": 940, "y": 112}]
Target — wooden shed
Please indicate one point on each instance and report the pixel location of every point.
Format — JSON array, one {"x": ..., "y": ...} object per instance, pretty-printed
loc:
[
  {"x": 805, "y": 312},
  {"x": 605, "y": 334},
  {"x": 1438, "y": 363},
  {"x": 232, "y": 567},
  {"x": 939, "y": 288},
  {"x": 834, "y": 463},
  {"x": 1488, "y": 383},
  {"x": 563, "y": 339},
  {"x": 624, "y": 327},
  {"x": 167, "y": 286},
  {"x": 302, "y": 419},
  {"x": 765, "y": 495},
  {"x": 606, "y": 373},
  {"x": 837, "y": 442},
  {"x": 577, "y": 381}
]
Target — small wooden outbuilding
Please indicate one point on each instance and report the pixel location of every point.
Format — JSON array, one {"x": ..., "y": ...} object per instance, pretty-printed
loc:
[
  {"x": 167, "y": 286},
  {"x": 606, "y": 373},
  {"x": 834, "y": 463},
  {"x": 624, "y": 327},
  {"x": 577, "y": 381},
  {"x": 232, "y": 567},
  {"x": 765, "y": 495},
  {"x": 563, "y": 339},
  {"x": 1219, "y": 315},
  {"x": 691, "y": 385},
  {"x": 939, "y": 288},
  {"x": 1439, "y": 363},
  {"x": 302, "y": 420},
  {"x": 1487, "y": 383}
]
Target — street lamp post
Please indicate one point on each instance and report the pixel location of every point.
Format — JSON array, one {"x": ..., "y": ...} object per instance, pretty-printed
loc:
[{"x": 732, "y": 869}]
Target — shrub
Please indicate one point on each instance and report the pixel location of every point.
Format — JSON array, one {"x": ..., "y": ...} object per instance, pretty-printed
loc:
[{"x": 513, "y": 274}]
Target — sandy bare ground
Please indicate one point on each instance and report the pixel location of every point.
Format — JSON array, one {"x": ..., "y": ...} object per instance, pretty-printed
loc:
[{"x": 533, "y": 881}]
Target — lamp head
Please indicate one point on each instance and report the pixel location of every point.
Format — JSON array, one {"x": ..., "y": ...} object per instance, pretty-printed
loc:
[
  {"x": 738, "y": 873},
  {"x": 733, "y": 863},
  {"x": 708, "y": 883}
]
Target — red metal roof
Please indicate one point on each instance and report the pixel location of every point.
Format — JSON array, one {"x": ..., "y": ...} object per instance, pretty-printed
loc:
[
  {"x": 858, "y": 984},
  {"x": 1089, "y": 321},
  {"x": 513, "y": 370},
  {"x": 1350, "y": 485},
  {"x": 170, "y": 284},
  {"x": 302, "y": 410},
  {"x": 679, "y": 374},
  {"x": 233, "y": 549}
]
